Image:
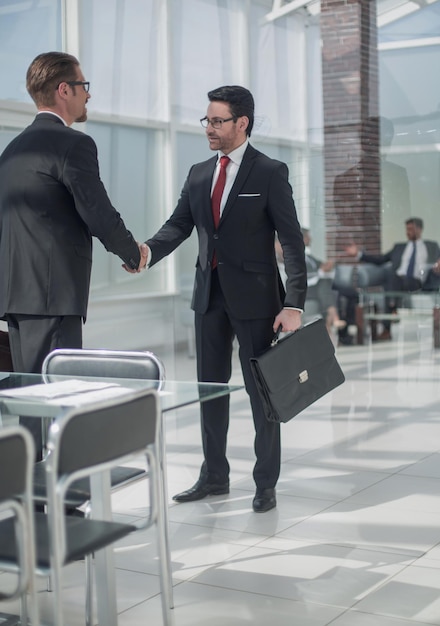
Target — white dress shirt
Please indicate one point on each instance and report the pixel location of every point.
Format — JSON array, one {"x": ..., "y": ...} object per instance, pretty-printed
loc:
[
  {"x": 236, "y": 157},
  {"x": 421, "y": 259}
]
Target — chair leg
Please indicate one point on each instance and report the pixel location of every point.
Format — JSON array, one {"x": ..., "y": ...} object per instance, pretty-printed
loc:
[
  {"x": 23, "y": 611},
  {"x": 161, "y": 519},
  {"x": 164, "y": 542},
  {"x": 88, "y": 562},
  {"x": 57, "y": 595}
]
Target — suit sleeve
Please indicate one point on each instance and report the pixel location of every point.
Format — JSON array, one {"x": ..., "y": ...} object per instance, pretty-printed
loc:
[
  {"x": 376, "y": 259},
  {"x": 282, "y": 209},
  {"x": 81, "y": 177}
]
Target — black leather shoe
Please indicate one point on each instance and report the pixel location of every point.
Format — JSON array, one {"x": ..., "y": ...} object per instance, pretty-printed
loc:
[
  {"x": 202, "y": 489},
  {"x": 264, "y": 500}
]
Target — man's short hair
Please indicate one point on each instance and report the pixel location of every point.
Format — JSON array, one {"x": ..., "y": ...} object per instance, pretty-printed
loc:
[
  {"x": 46, "y": 72},
  {"x": 240, "y": 100},
  {"x": 417, "y": 221}
]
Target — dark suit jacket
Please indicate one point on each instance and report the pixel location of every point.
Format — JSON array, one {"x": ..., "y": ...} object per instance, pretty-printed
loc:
[
  {"x": 395, "y": 255},
  {"x": 260, "y": 203},
  {"x": 52, "y": 202}
]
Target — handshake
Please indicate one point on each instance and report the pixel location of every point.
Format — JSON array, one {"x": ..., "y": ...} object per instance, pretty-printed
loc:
[{"x": 144, "y": 250}]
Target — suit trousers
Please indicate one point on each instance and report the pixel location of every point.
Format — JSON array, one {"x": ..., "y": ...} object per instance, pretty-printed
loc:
[
  {"x": 215, "y": 331},
  {"x": 32, "y": 337},
  {"x": 394, "y": 282}
]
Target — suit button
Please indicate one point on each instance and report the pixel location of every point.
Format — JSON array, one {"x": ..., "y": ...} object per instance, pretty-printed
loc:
[{"x": 215, "y": 236}]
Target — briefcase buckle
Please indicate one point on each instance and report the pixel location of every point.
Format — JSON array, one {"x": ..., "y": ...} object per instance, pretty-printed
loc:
[{"x": 303, "y": 376}]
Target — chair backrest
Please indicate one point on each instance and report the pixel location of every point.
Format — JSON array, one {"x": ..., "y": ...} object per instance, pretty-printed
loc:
[
  {"x": 16, "y": 452},
  {"x": 88, "y": 439},
  {"x": 17, "y": 458},
  {"x": 98, "y": 435},
  {"x": 370, "y": 275},
  {"x": 362, "y": 275},
  {"x": 344, "y": 277},
  {"x": 105, "y": 364}
]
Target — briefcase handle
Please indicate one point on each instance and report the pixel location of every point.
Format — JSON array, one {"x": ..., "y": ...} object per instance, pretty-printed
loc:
[{"x": 276, "y": 336}]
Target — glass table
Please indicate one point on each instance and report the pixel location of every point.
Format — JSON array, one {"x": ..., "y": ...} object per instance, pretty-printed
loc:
[{"x": 173, "y": 395}]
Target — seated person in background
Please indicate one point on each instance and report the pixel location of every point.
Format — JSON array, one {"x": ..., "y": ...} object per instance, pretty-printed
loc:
[
  {"x": 319, "y": 284},
  {"x": 410, "y": 263}
]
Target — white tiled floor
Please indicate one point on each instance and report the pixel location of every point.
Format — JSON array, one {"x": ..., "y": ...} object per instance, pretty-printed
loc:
[{"x": 355, "y": 539}]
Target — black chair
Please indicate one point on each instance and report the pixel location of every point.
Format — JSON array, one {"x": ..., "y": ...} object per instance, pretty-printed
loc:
[
  {"x": 105, "y": 364},
  {"x": 84, "y": 441},
  {"x": 17, "y": 546}
]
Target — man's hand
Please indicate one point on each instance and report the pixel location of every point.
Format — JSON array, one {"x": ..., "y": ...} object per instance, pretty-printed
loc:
[
  {"x": 290, "y": 319},
  {"x": 143, "y": 250},
  {"x": 327, "y": 266},
  {"x": 436, "y": 267},
  {"x": 352, "y": 250}
]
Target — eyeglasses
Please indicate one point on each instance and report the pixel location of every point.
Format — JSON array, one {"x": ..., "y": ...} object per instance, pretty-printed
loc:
[
  {"x": 73, "y": 83},
  {"x": 84, "y": 83},
  {"x": 216, "y": 122}
]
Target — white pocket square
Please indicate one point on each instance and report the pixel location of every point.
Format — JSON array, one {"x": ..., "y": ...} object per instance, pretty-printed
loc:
[{"x": 249, "y": 195}]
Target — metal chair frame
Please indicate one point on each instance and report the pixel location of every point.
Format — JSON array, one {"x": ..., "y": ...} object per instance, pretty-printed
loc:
[
  {"x": 105, "y": 364},
  {"x": 17, "y": 456},
  {"x": 117, "y": 430}
]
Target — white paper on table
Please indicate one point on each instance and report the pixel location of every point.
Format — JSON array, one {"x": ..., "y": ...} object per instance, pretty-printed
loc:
[{"x": 70, "y": 392}]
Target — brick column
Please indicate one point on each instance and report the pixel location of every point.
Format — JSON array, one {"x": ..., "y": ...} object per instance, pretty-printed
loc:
[{"x": 351, "y": 127}]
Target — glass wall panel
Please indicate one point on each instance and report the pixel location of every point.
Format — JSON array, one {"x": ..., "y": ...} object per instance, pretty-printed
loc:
[
  {"x": 26, "y": 29},
  {"x": 208, "y": 46},
  {"x": 123, "y": 53},
  {"x": 278, "y": 68},
  {"x": 409, "y": 49},
  {"x": 130, "y": 166}
]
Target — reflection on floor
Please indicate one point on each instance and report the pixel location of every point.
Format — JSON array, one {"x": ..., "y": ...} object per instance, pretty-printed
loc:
[{"x": 355, "y": 539}]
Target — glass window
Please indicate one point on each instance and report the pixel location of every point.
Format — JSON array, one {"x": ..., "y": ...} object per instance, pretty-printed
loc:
[
  {"x": 26, "y": 29},
  {"x": 131, "y": 168},
  {"x": 409, "y": 103},
  {"x": 123, "y": 54}
]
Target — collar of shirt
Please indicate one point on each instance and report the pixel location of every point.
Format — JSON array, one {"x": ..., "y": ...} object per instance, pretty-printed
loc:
[
  {"x": 52, "y": 113},
  {"x": 236, "y": 157}
]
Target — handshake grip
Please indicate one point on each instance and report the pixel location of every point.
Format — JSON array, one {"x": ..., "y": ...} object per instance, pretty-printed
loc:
[{"x": 144, "y": 253}]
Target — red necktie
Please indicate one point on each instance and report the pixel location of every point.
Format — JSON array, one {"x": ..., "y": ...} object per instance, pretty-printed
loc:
[{"x": 217, "y": 196}]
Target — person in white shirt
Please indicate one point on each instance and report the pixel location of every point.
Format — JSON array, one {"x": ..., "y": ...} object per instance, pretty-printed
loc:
[{"x": 409, "y": 265}]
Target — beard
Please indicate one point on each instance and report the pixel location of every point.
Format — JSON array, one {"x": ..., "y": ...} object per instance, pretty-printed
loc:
[{"x": 82, "y": 117}]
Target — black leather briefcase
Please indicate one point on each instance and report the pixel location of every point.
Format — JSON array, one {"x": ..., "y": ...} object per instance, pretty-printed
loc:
[{"x": 297, "y": 369}]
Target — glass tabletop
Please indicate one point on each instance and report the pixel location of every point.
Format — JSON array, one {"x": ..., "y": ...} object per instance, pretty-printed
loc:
[
  {"x": 173, "y": 394},
  {"x": 429, "y": 298}
]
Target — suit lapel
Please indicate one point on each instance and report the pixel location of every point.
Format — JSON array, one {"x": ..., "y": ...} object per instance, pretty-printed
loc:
[
  {"x": 205, "y": 186},
  {"x": 242, "y": 174}
]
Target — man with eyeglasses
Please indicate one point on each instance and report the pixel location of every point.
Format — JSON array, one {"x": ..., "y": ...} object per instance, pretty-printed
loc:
[
  {"x": 52, "y": 202},
  {"x": 237, "y": 201}
]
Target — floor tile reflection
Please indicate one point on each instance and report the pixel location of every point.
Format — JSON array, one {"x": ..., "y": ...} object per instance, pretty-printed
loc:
[{"x": 355, "y": 539}]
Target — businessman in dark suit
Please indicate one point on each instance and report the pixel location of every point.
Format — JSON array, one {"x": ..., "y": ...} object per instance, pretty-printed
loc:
[
  {"x": 409, "y": 265},
  {"x": 237, "y": 288},
  {"x": 52, "y": 202}
]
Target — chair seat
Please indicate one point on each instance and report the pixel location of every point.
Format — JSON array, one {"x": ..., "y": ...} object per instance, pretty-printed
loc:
[
  {"x": 84, "y": 536},
  {"x": 79, "y": 493}
]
